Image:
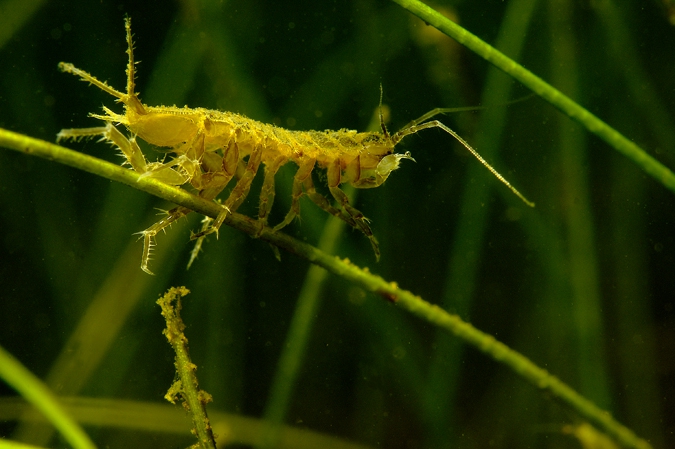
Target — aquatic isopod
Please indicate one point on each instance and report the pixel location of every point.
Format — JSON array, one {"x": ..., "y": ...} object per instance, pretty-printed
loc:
[{"x": 208, "y": 148}]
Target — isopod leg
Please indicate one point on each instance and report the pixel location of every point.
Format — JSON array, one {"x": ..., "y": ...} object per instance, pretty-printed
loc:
[
  {"x": 238, "y": 194},
  {"x": 324, "y": 204},
  {"x": 267, "y": 191},
  {"x": 150, "y": 233},
  {"x": 360, "y": 221},
  {"x": 130, "y": 149},
  {"x": 304, "y": 172},
  {"x": 211, "y": 184},
  {"x": 217, "y": 182},
  {"x": 187, "y": 163},
  {"x": 200, "y": 241},
  {"x": 216, "y": 178}
]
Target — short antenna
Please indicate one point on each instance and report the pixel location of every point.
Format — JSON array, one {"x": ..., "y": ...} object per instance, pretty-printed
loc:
[
  {"x": 382, "y": 125},
  {"x": 131, "y": 67}
]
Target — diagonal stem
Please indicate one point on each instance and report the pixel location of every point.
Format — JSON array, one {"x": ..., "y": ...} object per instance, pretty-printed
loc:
[
  {"x": 576, "y": 112},
  {"x": 433, "y": 314}
]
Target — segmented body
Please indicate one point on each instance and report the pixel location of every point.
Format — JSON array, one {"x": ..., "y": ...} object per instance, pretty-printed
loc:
[
  {"x": 169, "y": 126},
  {"x": 208, "y": 148}
]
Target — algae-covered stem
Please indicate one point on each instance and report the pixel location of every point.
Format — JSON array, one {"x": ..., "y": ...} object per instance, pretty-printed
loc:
[{"x": 194, "y": 399}]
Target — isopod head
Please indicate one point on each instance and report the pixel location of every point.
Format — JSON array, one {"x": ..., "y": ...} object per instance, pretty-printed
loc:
[{"x": 375, "y": 177}]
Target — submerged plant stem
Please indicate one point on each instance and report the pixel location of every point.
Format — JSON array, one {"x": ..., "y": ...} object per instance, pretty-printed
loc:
[
  {"x": 194, "y": 399},
  {"x": 348, "y": 271},
  {"x": 37, "y": 393},
  {"x": 592, "y": 123}
]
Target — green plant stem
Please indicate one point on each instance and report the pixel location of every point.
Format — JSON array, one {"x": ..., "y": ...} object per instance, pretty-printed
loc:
[
  {"x": 577, "y": 215},
  {"x": 122, "y": 415},
  {"x": 592, "y": 123},
  {"x": 343, "y": 268},
  {"x": 468, "y": 244},
  {"x": 187, "y": 386},
  {"x": 30, "y": 387},
  {"x": 295, "y": 345}
]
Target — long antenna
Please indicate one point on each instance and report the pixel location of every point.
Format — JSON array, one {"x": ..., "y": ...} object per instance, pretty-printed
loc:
[{"x": 436, "y": 124}]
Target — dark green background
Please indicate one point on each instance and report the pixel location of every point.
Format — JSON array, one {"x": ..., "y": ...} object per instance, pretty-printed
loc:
[{"x": 584, "y": 284}]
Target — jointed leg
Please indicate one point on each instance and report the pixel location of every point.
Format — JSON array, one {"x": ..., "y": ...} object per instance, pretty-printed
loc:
[
  {"x": 216, "y": 183},
  {"x": 187, "y": 160},
  {"x": 150, "y": 233},
  {"x": 360, "y": 221},
  {"x": 206, "y": 223},
  {"x": 357, "y": 218},
  {"x": 238, "y": 194},
  {"x": 304, "y": 172},
  {"x": 324, "y": 204},
  {"x": 349, "y": 214},
  {"x": 211, "y": 184},
  {"x": 130, "y": 149},
  {"x": 267, "y": 192},
  {"x": 132, "y": 153},
  {"x": 214, "y": 178}
]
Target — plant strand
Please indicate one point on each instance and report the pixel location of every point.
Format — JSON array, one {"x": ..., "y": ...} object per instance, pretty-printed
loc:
[
  {"x": 549, "y": 93},
  {"x": 362, "y": 277}
]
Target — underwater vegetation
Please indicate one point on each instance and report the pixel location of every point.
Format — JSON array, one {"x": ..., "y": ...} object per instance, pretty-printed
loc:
[{"x": 582, "y": 285}]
